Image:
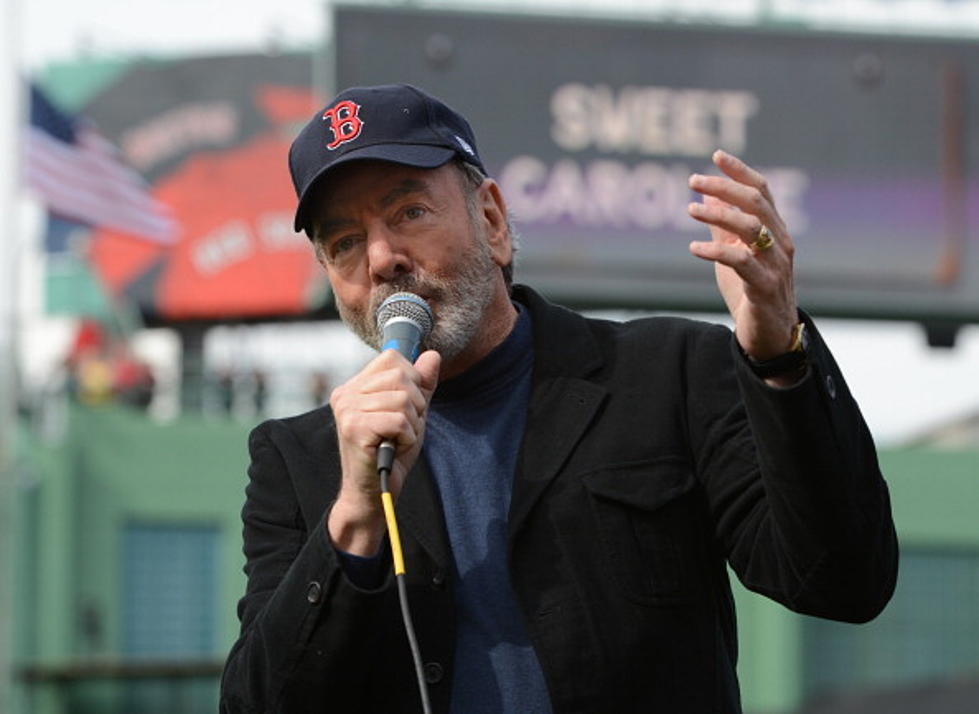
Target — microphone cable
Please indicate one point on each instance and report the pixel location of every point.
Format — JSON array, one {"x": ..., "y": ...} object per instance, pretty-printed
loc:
[{"x": 385, "y": 461}]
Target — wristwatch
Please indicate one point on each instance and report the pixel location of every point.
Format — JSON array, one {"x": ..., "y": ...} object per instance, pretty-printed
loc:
[{"x": 795, "y": 360}]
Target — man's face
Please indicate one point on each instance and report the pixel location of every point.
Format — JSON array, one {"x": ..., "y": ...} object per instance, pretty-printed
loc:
[{"x": 384, "y": 228}]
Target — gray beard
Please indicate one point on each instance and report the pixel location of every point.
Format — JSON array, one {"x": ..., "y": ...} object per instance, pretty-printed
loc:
[{"x": 463, "y": 298}]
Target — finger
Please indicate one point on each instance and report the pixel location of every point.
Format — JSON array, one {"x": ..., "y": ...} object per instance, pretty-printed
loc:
[
  {"x": 742, "y": 173},
  {"x": 385, "y": 371},
  {"x": 427, "y": 366},
  {"x": 739, "y": 260},
  {"x": 715, "y": 212},
  {"x": 368, "y": 429},
  {"x": 386, "y": 359},
  {"x": 398, "y": 427},
  {"x": 390, "y": 391},
  {"x": 411, "y": 402},
  {"x": 397, "y": 377},
  {"x": 746, "y": 198}
]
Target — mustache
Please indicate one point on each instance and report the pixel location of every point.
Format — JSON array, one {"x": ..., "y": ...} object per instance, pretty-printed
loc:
[{"x": 427, "y": 288}]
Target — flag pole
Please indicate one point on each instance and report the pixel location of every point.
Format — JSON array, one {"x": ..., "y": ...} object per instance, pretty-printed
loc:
[{"x": 11, "y": 110}]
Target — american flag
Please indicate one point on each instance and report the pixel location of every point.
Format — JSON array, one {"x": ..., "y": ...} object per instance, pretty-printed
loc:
[{"x": 79, "y": 176}]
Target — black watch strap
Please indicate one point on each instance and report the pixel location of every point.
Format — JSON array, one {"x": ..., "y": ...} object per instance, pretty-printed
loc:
[{"x": 795, "y": 360}]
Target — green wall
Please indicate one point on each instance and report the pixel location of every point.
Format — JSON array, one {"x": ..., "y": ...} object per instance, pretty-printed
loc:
[
  {"x": 935, "y": 495},
  {"x": 112, "y": 468}
]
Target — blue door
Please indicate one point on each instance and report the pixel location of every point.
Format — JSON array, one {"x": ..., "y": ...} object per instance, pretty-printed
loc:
[{"x": 170, "y": 612}]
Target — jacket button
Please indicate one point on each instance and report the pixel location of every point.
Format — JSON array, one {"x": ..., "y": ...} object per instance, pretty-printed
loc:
[
  {"x": 438, "y": 580},
  {"x": 830, "y": 386},
  {"x": 313, "y": 593},
  {"x": 433, "y": 672}
]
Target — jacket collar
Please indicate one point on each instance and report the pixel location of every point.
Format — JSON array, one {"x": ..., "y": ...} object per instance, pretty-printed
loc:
[{"x": 564, "y": 346}]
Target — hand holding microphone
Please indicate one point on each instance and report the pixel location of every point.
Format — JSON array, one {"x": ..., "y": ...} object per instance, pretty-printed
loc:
[{"x": 385, "y": 403}]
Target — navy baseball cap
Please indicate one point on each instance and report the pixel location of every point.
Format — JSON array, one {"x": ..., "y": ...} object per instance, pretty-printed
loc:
[{"x": 393, "y": 122}]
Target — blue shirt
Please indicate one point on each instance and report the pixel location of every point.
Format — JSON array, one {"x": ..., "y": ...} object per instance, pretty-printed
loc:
[{"x": 474, "y": 429}]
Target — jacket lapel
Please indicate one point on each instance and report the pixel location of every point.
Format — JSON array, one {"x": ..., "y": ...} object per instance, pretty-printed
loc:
[
  {"x": 560, "y": 411},
  {"x": 562, "y": 402}
]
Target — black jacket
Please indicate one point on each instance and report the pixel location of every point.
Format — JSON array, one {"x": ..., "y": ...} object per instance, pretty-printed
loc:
[{"x": 652, "y": 456}]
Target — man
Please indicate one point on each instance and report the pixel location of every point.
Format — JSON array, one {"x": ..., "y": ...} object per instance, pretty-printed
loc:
[{"x": 568, "y": 490}]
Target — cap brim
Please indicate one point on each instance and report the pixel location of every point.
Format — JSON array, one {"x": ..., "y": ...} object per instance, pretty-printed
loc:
[{"x": 421, "y": 156}]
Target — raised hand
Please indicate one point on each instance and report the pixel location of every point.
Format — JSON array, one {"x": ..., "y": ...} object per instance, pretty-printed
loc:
[{"x": 752, "y": 253}]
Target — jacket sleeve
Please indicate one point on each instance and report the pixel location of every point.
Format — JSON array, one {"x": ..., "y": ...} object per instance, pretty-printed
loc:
[
  {"x": 302, "y": 620},
  {"x": 801, "y": 509}
]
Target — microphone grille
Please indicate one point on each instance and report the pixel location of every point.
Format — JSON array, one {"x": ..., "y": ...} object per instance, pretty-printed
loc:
[{"x": 406, "y": 305}]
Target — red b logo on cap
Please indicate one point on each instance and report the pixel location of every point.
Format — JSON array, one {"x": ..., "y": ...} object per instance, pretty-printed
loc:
[{"x": 344, "y": 122}]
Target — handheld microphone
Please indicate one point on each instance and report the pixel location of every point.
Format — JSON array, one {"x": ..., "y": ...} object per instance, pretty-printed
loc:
[{"x": 404, "y": 320}]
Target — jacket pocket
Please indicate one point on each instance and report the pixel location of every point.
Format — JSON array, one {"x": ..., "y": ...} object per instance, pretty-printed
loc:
[{"x": 644, "y": 513}]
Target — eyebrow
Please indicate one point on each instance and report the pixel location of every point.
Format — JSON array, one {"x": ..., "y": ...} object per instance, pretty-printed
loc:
[
  {"x": 407, "y": 187},
  {"x": 324, "y": 229}
]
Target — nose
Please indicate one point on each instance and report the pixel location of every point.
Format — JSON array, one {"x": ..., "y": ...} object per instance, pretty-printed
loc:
[{"x": 386, "y": 257}]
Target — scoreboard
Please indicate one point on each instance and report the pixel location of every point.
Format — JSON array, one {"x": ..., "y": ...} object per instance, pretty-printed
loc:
[{"x": 870, "y": 144}]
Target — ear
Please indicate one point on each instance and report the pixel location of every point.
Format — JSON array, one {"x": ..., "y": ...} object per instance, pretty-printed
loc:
[{"x": 494, "y": 212}]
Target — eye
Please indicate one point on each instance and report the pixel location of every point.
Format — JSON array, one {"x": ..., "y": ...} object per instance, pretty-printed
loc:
[
  {"x": 413, "y": 213},
  {"x": 341, "y": 246}
]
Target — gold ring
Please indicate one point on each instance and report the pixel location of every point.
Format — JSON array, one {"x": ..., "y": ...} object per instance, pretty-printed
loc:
[{"x": 763, "y": 241}]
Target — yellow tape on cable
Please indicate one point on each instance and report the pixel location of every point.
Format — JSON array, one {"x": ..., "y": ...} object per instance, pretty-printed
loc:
[{"x": 395, "y": 537}]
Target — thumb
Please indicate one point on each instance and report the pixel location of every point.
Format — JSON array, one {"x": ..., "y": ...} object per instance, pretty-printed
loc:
[{"x": 428, "y": 365}]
